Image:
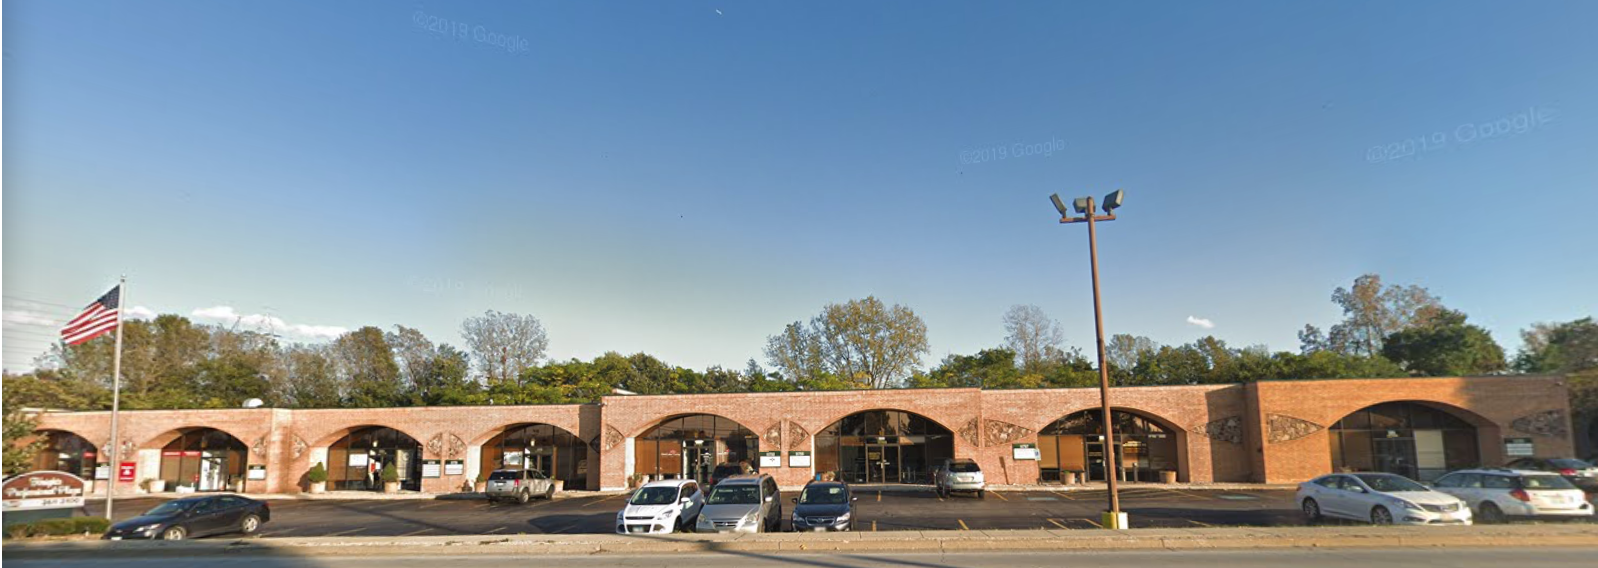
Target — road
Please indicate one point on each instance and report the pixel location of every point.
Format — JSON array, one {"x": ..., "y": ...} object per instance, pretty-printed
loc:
[
  {"x": 876, "y": 510},
  {"x": 1272, "y": 558}
]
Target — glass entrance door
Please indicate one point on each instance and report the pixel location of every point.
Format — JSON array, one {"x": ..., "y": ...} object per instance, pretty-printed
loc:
[
  {"x": 882, "y": 463},
  {"x": 698, "y": 459},
  {"x": 1396, "y": 455},
  {"x": 1096, "y": 461}
]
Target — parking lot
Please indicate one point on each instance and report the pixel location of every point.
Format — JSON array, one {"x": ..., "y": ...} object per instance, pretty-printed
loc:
[{"x": 892, "y": 509}]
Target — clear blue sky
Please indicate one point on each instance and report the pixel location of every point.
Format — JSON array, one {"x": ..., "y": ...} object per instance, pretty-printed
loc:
[{"x": 661, "y": 177}]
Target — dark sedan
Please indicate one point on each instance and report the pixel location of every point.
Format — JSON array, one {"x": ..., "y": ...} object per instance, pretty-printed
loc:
[
  {"x": 824, "y": 506},
  {"x": 194, "y": 517}
]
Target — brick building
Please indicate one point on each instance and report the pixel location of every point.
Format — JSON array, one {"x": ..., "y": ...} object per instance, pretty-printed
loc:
[{"x": 1272, "y": 431}]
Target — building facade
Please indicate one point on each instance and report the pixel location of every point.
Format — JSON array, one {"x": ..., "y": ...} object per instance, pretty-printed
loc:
[{"x": 1270, "y": 432}]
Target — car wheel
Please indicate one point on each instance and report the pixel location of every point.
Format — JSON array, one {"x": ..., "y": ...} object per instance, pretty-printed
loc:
[
  {"x": 550, "y": 493},
  {"x": 250, "y": 524},
  {"x": 1312, "y": 511},
  {"x": 1381, "y": 516},
  {"x": 1491, "y": 514},
  {"x": 982, "y": 494},
  {"x": 523, "y": 497},
  {"x": 174, "y": 533}
]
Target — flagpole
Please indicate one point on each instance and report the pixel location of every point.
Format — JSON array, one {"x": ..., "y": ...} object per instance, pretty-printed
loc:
[{"x": 116, "y": 401}]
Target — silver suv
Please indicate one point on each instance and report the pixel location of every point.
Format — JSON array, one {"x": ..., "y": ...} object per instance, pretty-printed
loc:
[
  {"x": 742, "y": 503},
  {"x": 519, "y": 485},
  {"x": 959, "y": 475}
]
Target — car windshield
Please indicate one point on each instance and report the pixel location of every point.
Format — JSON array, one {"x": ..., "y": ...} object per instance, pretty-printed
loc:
[
  {"x": 1390, "y": 483},
  {"x": 734, "y": 495},
  {"x": 170, "y": 508},
  {"x": 1545, "y": 482},
  {"x": 965, "y": 467},
  {"x": 825, "y": 495},
  {"x": 504, "y": 475},
  {"x": 1570, "y": 463},
  {"x": 654, "y": 496}
]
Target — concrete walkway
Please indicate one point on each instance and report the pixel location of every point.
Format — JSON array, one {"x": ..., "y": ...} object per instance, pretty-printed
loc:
[{"x": 1564, "y": 535}]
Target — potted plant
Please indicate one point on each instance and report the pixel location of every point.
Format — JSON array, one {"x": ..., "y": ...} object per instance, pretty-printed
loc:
[
  {"x": 390, "y": 478},
  {"x": 1167, "y": 476},
  {"x": 481, "y": 484},
  {"x": 1072, "y": 477},
  {"x": 236, "y": 483},
  {"x": 153, "y": 485},
  {"x": 318, "y": 478}
]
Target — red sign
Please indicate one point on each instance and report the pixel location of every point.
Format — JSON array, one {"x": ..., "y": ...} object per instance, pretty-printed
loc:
[{"x": 127, "y": 471}]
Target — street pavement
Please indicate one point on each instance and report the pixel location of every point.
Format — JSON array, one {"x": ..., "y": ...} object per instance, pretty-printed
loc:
[
  {"x": 1298, "y": 558},
  {"x": 891, "y": 510}
]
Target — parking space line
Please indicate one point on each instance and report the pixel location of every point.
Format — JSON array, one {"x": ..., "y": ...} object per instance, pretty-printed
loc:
[
  {"x": 351, "y": 531},
  {"x": 431, "y": 505},
  {"x": 1062, "y": 494},
  {"x": 1000, "y": 495},
  {"x": 1193, "y": 495},
  {"x": 873, "y": 526},
  {"x": 604, "y": 499},
  {"x": 1058, "y": 524},
  {"x": 1092, "y": 522},
  {"x": 879, "y": 496},
  {"x": 496, "y": 530},
  {"x": 1199, "y": 523},
  {"x": 962, "y": 525},
  {"x": 414, "y": 533}
]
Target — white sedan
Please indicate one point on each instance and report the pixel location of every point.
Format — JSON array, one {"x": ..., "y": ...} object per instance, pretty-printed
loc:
[{"x": 1380, "y": 499}]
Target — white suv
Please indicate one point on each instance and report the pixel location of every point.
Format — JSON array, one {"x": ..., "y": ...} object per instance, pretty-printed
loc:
[
  {"x": 660, "y": 507},
  {"x": 959, "y": 475},
  {"x": 1497, "y": 494}
]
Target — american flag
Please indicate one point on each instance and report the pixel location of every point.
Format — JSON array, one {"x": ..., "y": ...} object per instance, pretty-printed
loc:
[{"x": 98, "y": 319}]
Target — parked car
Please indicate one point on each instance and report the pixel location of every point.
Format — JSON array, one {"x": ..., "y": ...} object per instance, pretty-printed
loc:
[
  {"x": 1379, "y": 499},
  {"x": 824, "y": 506},
  {"x": 1582, "y": 474},
  {"x": 519, "y": 485},
  {"x": 727, "y": 470},
  {"x": 660, "y": 507},
  {"x": 959, "y": 475},
  {"x": 195, "y": 517},
  {"x": 1498, "y": 494},
  {"x": 743, "y": 503}
]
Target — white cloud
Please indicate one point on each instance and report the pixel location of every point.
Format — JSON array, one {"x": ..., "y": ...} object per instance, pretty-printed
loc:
[
  {"x": 139, "y": 313},
  {"x": 24, "y": 317},
  {"x": 1201, "y": 322},
  {"x": 264, "y": 323}
]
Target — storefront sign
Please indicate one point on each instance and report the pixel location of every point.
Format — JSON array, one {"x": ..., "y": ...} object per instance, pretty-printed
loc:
[
  {"x": 454, "y": 467},
  {"x": 1025, "y": 451},
  {"x": 43, "y": 490},
  {"x": 770, "y": 459},
  {"x": 430, "y": 468},
  {"x": 1519, "y": 447},
  {"x": 127, "y": 471},
  {"x": 357, "y": 460},
  {"x": 102, "y": 471},
  {"x": 257, "y": 472},
  {"x": 798, "y": 459}
]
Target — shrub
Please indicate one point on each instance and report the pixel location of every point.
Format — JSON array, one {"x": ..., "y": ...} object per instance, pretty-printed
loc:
[
  {"x": 19, "y": 530},
  {"x": 54, "y": 527},
  {"x": 90, "y": 525},
  {"x": 390, "y": 473},
  {"x": 318, "y": 473}
]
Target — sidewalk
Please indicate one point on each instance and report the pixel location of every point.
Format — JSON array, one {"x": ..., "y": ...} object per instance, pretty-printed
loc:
[{"x": 1571, "y": 535}]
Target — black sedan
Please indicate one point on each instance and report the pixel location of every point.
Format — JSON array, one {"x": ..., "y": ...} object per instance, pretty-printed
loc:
[
  {"x": 194, "y": 517},
  {"x": 824, "y": 506}
]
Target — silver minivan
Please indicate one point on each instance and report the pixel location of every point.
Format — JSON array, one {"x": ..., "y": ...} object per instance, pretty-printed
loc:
[{"x": 742, "y": 503}]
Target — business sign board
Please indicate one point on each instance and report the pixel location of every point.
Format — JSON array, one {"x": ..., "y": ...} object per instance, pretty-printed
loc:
[
  {"x": 1519, "y": 447},
  {"x": 1025, "y": 451},
  {"x": 798, "y": 459},
  {"x": 430, "y": 468},
  {"x": 42, "y": 490},
  {"x": 770, "y": 459},
  {"x": 454, "y": 467},
  {"x": 127, "y": 471},
  {"x": 257, "y": 472}
]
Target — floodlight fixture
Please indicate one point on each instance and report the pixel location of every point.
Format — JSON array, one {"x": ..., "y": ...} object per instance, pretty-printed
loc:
[
  {"x": 1113, "y": 200},
  {"x": 1084, "y": 205},
  {"x": 1060, "y": 205}
]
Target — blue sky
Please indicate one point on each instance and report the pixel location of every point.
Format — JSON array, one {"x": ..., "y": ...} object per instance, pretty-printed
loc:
[{"x": 684, "y": 178}]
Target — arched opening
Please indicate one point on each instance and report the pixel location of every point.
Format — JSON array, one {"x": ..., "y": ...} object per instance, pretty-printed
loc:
[
  {"x": 542, "y": 447},
  {"x": 1412, "y": 439},
  {"x": 203, "y": 459},
  {"x": 883, "y": 446},
  {"x": 356, "y": 461},
  {"x": 1075, "y": 443},
  {"x": 692, "y": 446},
  {"x": 68, "y": 452}
]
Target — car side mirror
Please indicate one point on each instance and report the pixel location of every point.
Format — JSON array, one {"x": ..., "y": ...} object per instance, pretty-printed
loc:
[
  {"x": 687, "y": 500},
  {"x": 770, "y": 498},
  {"x": 854, "y": 498},
  {"x": 796, "y": 500}
]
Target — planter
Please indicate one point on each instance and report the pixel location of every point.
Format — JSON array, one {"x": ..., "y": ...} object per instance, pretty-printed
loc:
[
  {"x": 1168, "y": 477},
  {"x": 185, "y": 489},
  {"x": 238, "y": 486},
  {"x": 318, "y": 487},
  {"x": 480, "y": 486},
  {"x": 157, "y": 485},
  {"x": 1069, "y": 478},
  {"x": 391, "y": 487},
  {"x": 560, "y": 485}
]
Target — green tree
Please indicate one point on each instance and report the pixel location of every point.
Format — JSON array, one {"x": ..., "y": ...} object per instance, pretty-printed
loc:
[
  {"x": 366, "y": 363},
  {"x": 503, "y": 344},
  {"x": 989, "y": 368},
  {"x": 861, "y": 342},
  {"x": 21, "y": 445},
  {"x": 1445, "y": 346},
  {"x": 1569, "y": 347},
  {"x": 1371, "y": 313},
  {"x": 313, "y": 377}
]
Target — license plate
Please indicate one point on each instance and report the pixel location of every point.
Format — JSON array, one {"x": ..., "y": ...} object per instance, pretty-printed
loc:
[{"x": 116, "y": 538}]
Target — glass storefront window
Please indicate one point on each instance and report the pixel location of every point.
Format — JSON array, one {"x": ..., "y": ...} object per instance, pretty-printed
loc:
[
  {"x": 68, "y": 452},
  {"x": 1145, "y": 447},
  {"x": 1403, "y": 438},
  {"x": 542, "y": 447},
  {"x": 692, "y": 446},
  {"x": 204, "y": 459},
  {"x": 356, "y": 461},
  {"x": 882, "y": 446}
]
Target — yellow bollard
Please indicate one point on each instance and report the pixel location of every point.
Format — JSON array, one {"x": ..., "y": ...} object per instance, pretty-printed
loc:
[{"x": 1113, "y": 521}]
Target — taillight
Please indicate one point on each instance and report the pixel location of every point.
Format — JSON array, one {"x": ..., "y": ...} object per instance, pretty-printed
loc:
[
  {"x": 1567, "y": 471},
  {"x": 518, "y": 483},
  {"x": 1521, "y": 495}
]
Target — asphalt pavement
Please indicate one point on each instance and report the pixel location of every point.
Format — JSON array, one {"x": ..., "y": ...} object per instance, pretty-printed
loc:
[
  {"x": 1273, "y": 558},
  {"x": 877, "y": 510}
]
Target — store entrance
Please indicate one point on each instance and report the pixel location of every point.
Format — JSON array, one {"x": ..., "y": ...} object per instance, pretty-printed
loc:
[
  {"x": 699, "y": 459},
  {"x": 882, "y": 463}
]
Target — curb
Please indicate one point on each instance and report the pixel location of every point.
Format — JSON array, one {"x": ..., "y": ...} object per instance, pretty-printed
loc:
[{"x": 898, "y": 541}]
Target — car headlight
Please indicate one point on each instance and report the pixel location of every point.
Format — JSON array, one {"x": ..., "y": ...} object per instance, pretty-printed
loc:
[
  {"x": 1410, "y": 506},
  {"x": 147, "y": 528},
  {"x": 703, "y": 521},
  {"x": 666, "y": 514},
  {"x": 749, "y": 519},
  {"x": 844, "y": 518}
]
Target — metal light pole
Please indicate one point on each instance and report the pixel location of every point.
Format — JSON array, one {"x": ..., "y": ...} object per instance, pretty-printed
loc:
[{"x": 1085, "y": 207}]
